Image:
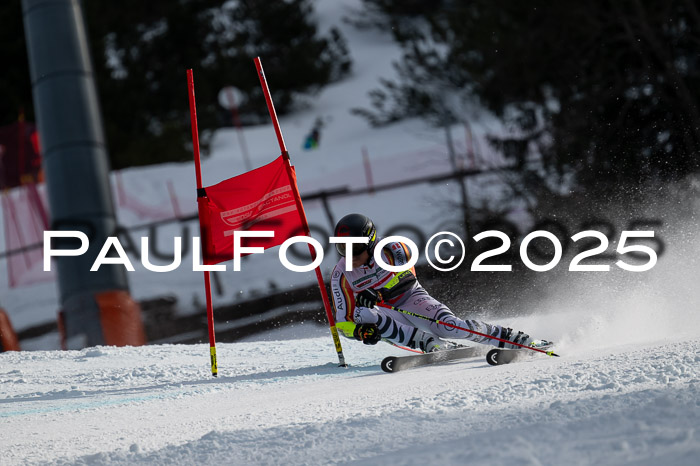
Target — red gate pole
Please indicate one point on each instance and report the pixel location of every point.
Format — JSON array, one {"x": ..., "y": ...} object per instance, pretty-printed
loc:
[
  {"x": 300, "y": 208},
  {"x": 201, "y": 206}
]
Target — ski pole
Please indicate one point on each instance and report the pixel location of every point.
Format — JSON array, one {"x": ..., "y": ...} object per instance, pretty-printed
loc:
[
  {"x": 447, "y": 324},
  {"x": 402, "y": 347}
]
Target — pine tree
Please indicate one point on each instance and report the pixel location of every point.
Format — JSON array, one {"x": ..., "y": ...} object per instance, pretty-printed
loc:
[
  {"x": 15, "y": 85},
  {"x": 608, "y": 90},
  {"x": 141, "y": 51},
  {"x": 145, "y": 51}
]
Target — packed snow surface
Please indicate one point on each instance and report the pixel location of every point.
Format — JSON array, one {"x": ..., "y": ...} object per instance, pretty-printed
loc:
[{"x": 287, "y": 402}]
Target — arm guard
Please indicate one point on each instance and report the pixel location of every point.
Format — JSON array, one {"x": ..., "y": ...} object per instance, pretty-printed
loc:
[
  {"x": 398, "y": 255},
  {"x": 400, "y": 283}
]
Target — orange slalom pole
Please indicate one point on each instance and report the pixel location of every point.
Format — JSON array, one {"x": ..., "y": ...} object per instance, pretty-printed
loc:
[{"x": 300, "y": 208}]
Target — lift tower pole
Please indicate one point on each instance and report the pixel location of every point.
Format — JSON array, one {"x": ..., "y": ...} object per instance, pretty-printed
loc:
[{"x": 96, "y": 306}]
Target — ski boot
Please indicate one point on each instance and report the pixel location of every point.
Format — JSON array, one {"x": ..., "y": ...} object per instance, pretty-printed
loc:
[
  {"x": 425, "y": 342},
  {"x": 520, "y": 338}
]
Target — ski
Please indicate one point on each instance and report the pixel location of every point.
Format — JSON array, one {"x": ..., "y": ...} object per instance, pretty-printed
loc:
[
  {"x": 498, "y": 356},
  {"x": 399, "y": 363}
]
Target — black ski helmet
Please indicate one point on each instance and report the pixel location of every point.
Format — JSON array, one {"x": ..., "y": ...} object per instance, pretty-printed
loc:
[{"x": 356, "y": 225}]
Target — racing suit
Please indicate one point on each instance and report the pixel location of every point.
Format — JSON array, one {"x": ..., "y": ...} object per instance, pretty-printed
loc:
[{"x": 402, "y": 290}]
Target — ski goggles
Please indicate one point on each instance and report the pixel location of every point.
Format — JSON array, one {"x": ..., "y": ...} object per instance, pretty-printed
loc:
[{"x": 357, "y": 249}]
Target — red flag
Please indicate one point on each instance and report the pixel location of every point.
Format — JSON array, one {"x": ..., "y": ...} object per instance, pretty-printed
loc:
[{"x": 259, "y": 200}]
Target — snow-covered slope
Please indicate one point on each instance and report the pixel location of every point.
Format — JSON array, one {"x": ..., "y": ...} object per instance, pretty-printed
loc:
[
  {"x": 626, "y": 390},
  {"x": 287, "y": 403}
]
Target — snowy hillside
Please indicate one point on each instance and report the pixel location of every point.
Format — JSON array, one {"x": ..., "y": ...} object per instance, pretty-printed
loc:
[{"x": 287, "y": 403}]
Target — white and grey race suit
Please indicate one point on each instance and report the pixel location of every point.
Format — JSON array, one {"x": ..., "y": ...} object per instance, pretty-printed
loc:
[{"x": 401, "y": 290}]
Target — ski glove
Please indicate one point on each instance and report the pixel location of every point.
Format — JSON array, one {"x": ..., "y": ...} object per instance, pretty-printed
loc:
[
  {"x": 367, "y": 334},
  {"x": 368, "y": 298}
]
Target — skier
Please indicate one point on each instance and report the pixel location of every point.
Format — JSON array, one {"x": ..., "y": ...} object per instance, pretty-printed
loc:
[
  {"x": 314, "y": 138},
  {"x": 357, "y": 292}
]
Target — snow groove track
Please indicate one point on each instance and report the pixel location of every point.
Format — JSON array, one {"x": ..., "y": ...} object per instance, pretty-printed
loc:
[{"x": 285, "y": 403}]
